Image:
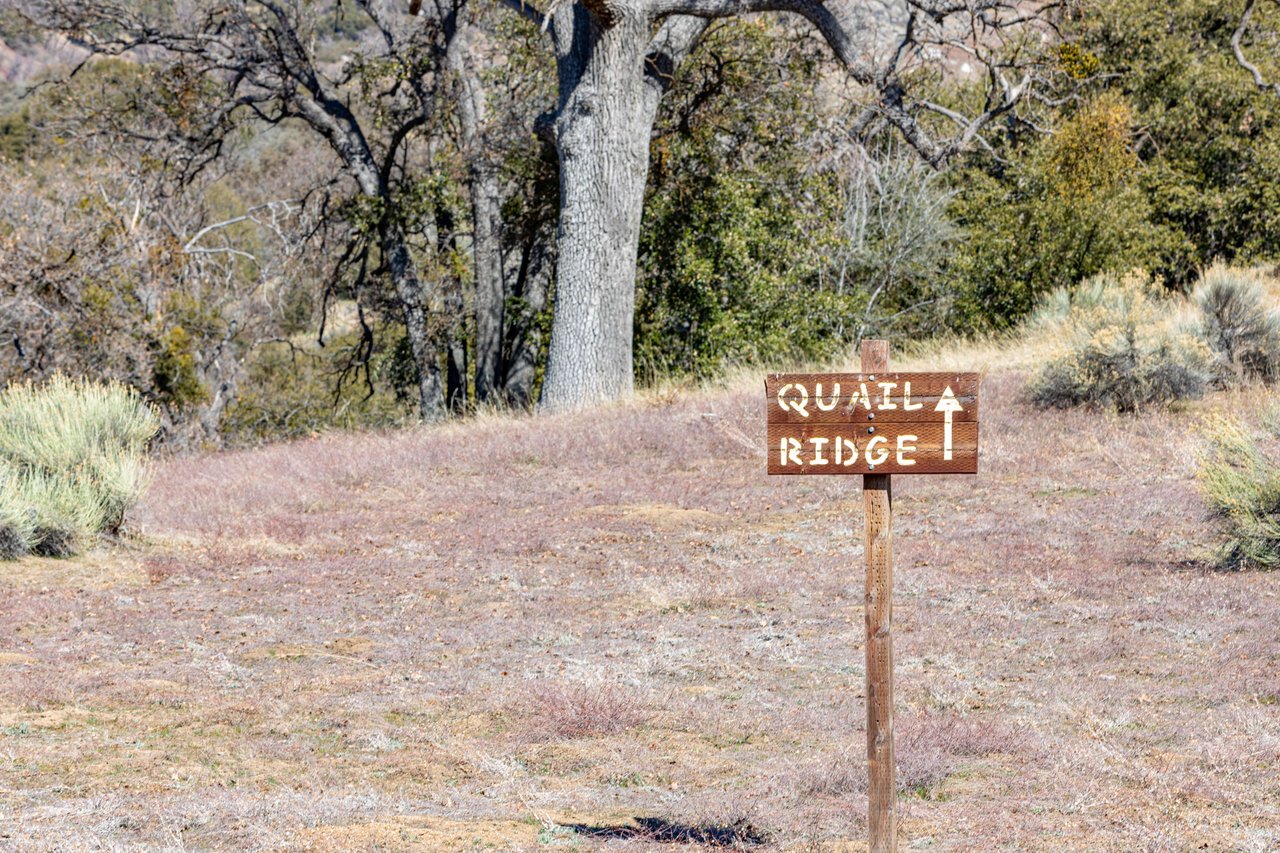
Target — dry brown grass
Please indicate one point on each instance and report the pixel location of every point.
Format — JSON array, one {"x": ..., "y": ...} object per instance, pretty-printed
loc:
[{"x": 614, "y": 631}]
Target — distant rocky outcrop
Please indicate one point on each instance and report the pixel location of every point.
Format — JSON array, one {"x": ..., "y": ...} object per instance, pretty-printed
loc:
[{"x": 25, "y": 61}]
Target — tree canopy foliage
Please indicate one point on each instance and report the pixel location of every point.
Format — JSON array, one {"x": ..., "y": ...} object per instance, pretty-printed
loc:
[{"x": 214, "y": 245}]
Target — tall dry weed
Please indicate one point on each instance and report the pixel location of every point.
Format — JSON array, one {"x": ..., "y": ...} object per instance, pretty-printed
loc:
[
  {"x": 1240, "y": 484},
  {"x": 571, "y": 710}
]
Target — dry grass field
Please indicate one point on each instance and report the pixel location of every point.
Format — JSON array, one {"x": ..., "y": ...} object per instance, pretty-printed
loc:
[{"x": 613, "y": 632}]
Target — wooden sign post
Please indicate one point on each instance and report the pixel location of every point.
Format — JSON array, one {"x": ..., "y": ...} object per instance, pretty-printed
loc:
[{"x": 875, "y": 423}]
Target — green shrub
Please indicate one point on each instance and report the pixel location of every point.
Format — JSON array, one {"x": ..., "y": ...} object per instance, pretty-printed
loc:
[
  {"x": 294, "y": 391},
  {"x": 67, "y": 511},
  {"x": 17, "y": 519},
  {"x": 1237, "y": 323},
  {"x": 1210, "y": 139},
  {"x": 1241, "y": 486},
  {"x": 740, "y": 226},
  {"x": 73, "y": 455},
  {"x": 1053, "y": 312},
  {"x": 1118, "y": 350}
]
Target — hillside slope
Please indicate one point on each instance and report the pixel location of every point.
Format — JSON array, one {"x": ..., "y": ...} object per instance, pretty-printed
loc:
[{"x": 612, "y": 629}]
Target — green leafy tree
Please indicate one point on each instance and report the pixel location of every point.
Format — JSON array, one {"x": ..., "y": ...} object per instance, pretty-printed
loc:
[
  {"x": 1208, "y": 137},
  {"x": 1063, "y": 208},
  {"x": 737, "y": 222}
]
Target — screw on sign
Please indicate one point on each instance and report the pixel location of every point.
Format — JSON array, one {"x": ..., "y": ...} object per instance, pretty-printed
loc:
[{"x": 875, "y": 423}]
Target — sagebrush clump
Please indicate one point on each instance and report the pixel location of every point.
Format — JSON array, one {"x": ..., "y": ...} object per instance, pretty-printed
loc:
[
  {"x": 17, "y": 520},
  {"x": 72, "y": 461},
  {"x": 1055, "y": 309},
  {"x": 1241, "y": 486},
  {"x": 1117, "y": 348},
  {"x": 1236, "y": 321}
]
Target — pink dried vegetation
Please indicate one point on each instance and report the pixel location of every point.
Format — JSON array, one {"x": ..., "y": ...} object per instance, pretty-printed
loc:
[
  {"x": 930, "y": 746},
  {"x": 560, "y": 710},
  {"x": 923, "y": 761},
  {"x": 833, "y": 774},
  {"x": 297, "y": 598}
]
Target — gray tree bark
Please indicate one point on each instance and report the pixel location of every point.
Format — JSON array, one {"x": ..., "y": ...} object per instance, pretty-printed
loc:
[
  {"x": 486, "y": 212},
  {"x": 609, "y": 95},
  {"x": 404, "y": 277}
]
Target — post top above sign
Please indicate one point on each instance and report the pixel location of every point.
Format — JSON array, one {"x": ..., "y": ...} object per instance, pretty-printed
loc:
[{"x": 873, "y": 423}]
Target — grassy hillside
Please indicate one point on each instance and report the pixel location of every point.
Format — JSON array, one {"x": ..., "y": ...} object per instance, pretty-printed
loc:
[{"x": 612, "y": 629}]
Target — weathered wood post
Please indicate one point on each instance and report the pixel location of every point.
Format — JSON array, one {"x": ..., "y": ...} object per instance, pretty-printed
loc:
[
  {"x": 875, "y": 423},
  {"x": 877, "y": 500}
]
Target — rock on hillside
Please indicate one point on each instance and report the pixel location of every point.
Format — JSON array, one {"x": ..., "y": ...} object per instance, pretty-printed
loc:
[{"x": 22, "y": 62}]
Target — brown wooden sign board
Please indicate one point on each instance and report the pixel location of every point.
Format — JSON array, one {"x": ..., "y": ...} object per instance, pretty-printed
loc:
[{"x": 872, "y": 423}]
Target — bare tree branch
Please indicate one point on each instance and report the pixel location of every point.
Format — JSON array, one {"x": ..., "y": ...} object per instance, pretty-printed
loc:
[
  {"x": 261, "y": 54},
  {"x": 672, "y": 44},
  {"x": 527, "y": 10},
  {"x": 972, "y": 28},
  {"x": 1237, "y": 37}
]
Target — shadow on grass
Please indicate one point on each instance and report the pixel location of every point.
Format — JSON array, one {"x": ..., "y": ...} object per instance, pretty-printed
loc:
[{"x": 660, "y": 830}]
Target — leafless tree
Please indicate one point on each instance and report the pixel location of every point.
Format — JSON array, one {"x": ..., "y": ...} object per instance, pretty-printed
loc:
[
  {"x": 510, "y": 259},
  {"x": 104, "y": 275},
  {"x": 386, "y": 115},
  {"x": 894, "y": 232}
]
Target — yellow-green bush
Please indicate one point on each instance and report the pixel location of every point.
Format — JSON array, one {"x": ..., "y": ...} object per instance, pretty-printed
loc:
[
  {"x": 1241, "y": 486},
  {"x": 1117, "y": 348},
  {"x": 67, "y": 511},
  {"x": 1055, "y": 310},
  {"x": 72, "y": 461},
  {"x": 1062, "y": 209}
]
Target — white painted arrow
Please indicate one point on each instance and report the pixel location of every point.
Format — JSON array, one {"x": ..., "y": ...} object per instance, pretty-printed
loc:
[{"x": 949, "y": 405}]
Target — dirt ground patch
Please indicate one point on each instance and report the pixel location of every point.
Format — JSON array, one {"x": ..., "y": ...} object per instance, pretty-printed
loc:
[
  {"x": 348, "y": 648},
  {"x": 419, "y": 835},
  {"x": 101, "y": 568}
]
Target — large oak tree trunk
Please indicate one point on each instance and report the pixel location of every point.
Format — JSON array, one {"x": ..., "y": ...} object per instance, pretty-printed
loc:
[{"x": 602, "y": 137}]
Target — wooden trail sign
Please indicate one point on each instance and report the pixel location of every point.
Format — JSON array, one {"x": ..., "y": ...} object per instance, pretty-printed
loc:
[{"x": 875, "y": 423}]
